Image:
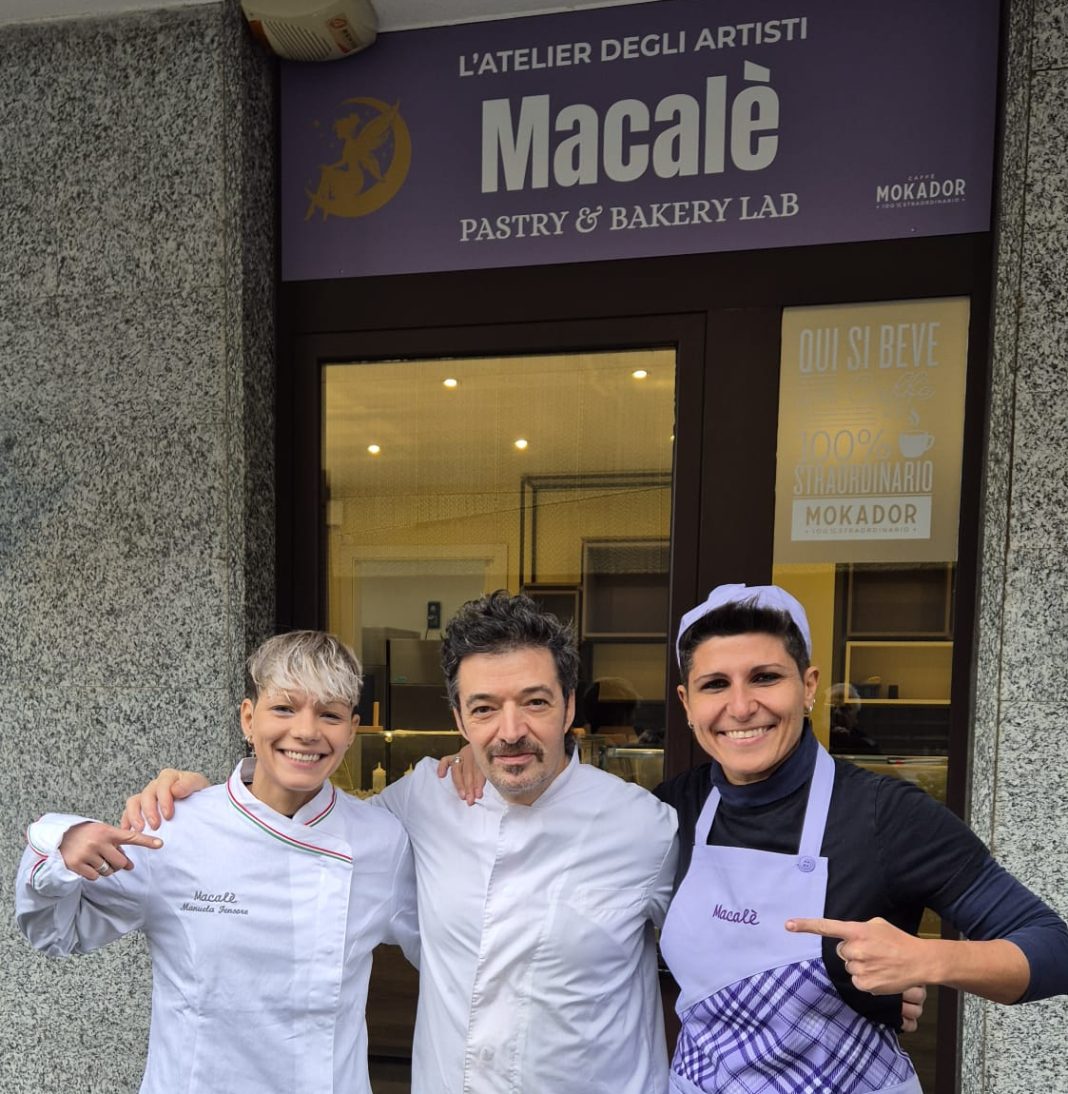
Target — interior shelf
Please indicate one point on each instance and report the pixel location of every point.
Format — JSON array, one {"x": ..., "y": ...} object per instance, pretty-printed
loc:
[{"x": 900, "y": 673}]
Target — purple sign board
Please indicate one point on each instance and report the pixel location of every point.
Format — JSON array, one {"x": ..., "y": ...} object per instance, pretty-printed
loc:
[{"x": 674, "y": 127}]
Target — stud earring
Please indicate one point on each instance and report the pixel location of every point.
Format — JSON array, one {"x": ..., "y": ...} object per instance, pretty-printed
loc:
[
  {"x": 809, "y": 707},
  {"x": 690, "y": 724}
]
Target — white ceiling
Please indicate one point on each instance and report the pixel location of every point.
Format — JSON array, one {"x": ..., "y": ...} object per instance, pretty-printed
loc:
[
  {"x": 392, "y": 14},
  {"x": 579, "y": 412}
]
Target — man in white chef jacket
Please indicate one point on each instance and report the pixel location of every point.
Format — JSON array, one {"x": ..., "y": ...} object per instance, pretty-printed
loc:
[{"x": 537, "y": 905}]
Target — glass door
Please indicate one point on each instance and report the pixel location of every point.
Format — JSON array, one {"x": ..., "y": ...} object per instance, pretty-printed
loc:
[
  {"x": 547, "y": 475},
  {"x": 444, "y": 479}
]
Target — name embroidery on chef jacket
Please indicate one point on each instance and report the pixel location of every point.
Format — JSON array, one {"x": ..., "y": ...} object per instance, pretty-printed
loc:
[
  {"x": 296, "y": 844},
  {"x": 213, "y": 903}
]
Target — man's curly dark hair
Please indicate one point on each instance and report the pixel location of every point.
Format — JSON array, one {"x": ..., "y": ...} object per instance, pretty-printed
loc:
[{"x": 500, "y": 623}]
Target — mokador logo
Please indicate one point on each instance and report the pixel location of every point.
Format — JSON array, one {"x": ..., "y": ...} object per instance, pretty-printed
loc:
[
  {"x": 925, "y": 189},
  {"x": 375, "y": 154}
]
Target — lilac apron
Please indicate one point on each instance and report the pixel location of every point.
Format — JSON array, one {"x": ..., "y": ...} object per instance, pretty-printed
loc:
[{"x": 759, "y": 1012}]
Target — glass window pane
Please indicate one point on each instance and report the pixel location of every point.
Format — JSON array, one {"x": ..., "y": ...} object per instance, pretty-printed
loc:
[
  {"x": 549, "y": 475},
  {"x": 446, "y": 479},
  {"x": 867, "y": 506}
]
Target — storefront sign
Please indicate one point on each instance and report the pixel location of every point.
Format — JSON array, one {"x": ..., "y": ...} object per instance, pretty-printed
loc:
[
  {"x": 664, "y": 128},
  {"x": 871, "y": 424}
]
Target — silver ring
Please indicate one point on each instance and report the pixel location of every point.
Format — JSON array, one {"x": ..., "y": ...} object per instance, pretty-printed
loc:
[
  {"x": 104, "y": 869},
  {"x": 456, "y": 760}
]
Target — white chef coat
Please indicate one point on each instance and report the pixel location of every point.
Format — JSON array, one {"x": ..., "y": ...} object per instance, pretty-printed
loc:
[
  {"x": 260, "y": 927},
  {"x": 538, "y": 969}
]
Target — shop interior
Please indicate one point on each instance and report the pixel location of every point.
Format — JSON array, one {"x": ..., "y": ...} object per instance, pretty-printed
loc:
[
  {"x": 564, "y": 492},
  {"x": 568, "y": 499}
]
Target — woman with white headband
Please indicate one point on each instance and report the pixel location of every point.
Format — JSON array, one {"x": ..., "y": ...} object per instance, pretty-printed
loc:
[{"x": 802, "y": 880}]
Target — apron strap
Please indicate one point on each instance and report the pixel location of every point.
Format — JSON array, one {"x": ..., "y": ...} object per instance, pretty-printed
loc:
[
  {"x": 819, "y": 802},
  {"x": 707, "y": 816}
]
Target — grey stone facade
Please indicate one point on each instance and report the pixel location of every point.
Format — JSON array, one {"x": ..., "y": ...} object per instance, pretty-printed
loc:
[
  {"x": 136, "y": 457},
  {"x": 136, "y": 489},
  {"x": 1020, "y": 756}
]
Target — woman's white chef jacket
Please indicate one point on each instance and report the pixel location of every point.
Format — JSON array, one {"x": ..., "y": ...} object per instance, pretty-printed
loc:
[
  {"x": 538, "y": 962},
  {"x": 260, "y": 928}
]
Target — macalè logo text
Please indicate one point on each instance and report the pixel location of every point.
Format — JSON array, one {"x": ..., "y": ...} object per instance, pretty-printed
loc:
[
  {"x": 679, "y": 135},
  {"x": 747, "y": 916}
]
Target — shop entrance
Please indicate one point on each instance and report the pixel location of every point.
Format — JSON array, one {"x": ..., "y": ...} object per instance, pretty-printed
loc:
[
  {"x": 449, "y": 478},
  {"x": 632, "y": 497}
]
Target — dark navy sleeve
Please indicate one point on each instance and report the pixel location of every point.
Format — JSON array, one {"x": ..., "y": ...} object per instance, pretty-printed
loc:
[
  {"x": 929, "y": 855},
  {"x": 996, "y": 905}
]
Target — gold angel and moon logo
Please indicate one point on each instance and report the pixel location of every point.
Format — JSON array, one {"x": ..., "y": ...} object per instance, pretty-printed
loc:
[{"x": 376, "y": 152}]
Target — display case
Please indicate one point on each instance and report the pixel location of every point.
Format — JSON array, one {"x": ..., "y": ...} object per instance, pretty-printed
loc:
[
  {"x": 926, "y": 772},
  {"x": 893, "y": 660},
  {"x": 644, "y": 766},
  {"x": 395, "y": 750},
  {"x": 417, "y": 695}
]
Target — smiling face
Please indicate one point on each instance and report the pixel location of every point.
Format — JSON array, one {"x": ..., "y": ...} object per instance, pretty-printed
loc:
[
  {"x": 299, "y": 743},
  {"x": 745, "y": 699},
  {"x": 512, "y": 710}
]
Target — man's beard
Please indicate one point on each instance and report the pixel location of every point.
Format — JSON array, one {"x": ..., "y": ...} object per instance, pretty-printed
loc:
[{"x": 512, "y": 780}]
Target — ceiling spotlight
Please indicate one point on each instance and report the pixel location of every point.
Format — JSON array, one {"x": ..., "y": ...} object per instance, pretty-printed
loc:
[
  {"x": 521, "y": 444},
  {"x": 639, "y": 374},
  {"x": 374, "y": 449},
  {"x": 451, "y": 382}
]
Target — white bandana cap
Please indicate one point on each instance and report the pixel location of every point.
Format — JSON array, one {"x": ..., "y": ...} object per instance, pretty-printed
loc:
[{"x": 758, "y": 596}]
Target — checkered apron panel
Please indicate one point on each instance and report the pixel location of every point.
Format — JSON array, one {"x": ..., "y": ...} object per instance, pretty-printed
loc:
[{"x": 786, "y": 1031}]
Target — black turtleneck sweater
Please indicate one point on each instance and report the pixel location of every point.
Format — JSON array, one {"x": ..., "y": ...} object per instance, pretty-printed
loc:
[{"x": 892, "y": 850}]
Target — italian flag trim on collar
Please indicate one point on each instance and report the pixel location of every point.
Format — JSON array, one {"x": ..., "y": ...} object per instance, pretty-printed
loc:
[
  {"x": 42, "y": 858},
  {"x": 297, "y": 845},
  {"x": 36, "y": 850}
]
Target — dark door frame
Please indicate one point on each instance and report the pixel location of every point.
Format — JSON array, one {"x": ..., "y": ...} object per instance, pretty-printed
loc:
[
  {"x": 305, "y": 500},
  {"x": 729, "y": 307}
]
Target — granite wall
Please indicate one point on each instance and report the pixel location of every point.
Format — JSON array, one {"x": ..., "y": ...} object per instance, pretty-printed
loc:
[
  {"x": 136, "y": 509},
  {"x": 136, "y": 466},
  {"x": 1020, "y": 765}
]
